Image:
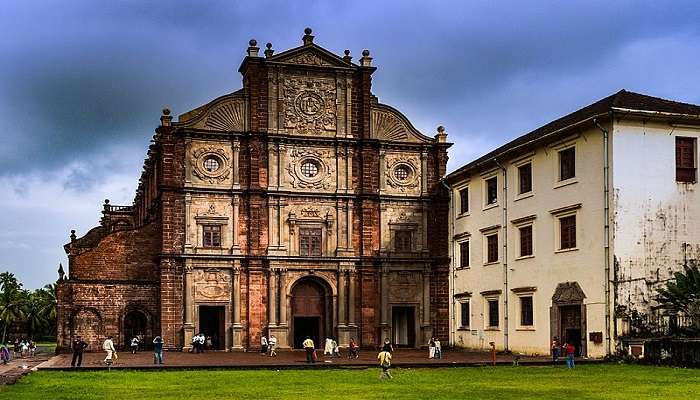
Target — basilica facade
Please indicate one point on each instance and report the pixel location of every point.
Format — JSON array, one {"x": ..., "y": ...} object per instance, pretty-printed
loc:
[{"x": 296, "y": 206}]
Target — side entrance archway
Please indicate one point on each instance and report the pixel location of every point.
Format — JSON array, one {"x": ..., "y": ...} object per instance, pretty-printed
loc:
[
  {"x": 311, "y": 304},
  {"x": 135, "y": 323},
  {"x": 568, "y": 316}
]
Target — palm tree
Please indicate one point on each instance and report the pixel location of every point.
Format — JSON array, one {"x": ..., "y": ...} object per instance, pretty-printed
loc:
[
  {"x": 682, "y": 294},
  {"x": 11, "y": 301},
  {"x": 48, "y": 306},
  {"x": 33, "y": 314}
]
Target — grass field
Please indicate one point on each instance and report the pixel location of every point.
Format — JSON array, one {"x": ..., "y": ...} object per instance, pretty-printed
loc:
[{"x": 584, "y": 382}]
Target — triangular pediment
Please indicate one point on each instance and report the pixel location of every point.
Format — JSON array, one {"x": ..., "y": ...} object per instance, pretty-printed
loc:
[{"x": 312, "y": 55}]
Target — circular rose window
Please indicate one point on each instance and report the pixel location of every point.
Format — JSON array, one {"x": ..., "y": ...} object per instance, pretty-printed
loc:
[
  {"x": 211, "y": 164},
  {"x": 401, "y": 172},
  {"x": 309, "y": 168}
]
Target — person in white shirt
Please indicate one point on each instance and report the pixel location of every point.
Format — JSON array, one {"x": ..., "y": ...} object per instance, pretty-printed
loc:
[
  {"x": 263, "y": 345},
  {"x": 108, "y": 346},
  {"x": 272, "y": 345},
  {"x": 328, "y": 349},
  {"x": 438, "y": 349}
]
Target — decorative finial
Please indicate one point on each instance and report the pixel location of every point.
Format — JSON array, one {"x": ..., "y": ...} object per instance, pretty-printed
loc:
[
  {"x": 253, "y": 48},
  {"x": 269, "y": 51},
  {"x": 61, "y": 273},
  {"x": 347, "y": 57},
  {"x": 308, "y": 38},
  {"x": 106, "y": 201},
  {"x": 166, "y": 118},
  {"x": 366, "y": 60},
  {"x": 72, "y": 235},
  {"x": 441, "y": 136}
]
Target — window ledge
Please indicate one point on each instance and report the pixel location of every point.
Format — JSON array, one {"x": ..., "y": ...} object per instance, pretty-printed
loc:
[
  {"x": 490, "y": 206},
  {"x": 492, "y": 263},
  {"x": 526, "y": 329},
  {"x": 566, "y": 250},
  {"x": 492, "y": 329},
  {"x": 464, "y": 329},
  {"x": 461, "y": 268},
  {"x": 524, "y": 257},
  {"x": 524, "y": 196},
  {"x": 567, "y": 182},
  {"x": 462, "y": 215}
]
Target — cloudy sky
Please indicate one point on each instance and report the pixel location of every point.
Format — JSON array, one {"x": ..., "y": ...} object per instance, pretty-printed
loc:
[{"x": 82, "y": 83}]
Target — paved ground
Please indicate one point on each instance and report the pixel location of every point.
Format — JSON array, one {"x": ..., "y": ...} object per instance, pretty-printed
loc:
[
  {"x": 15, "y": 369},
  {"x": 285, "y": 359}
]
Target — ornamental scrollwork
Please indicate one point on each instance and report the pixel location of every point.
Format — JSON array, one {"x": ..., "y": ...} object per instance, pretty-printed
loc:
[
  {"x": 402, "y": 173},
  {"x": 302, "y": 180},
  {"x": 309, "y": 105},
  {"x": 216, "y": 171}
]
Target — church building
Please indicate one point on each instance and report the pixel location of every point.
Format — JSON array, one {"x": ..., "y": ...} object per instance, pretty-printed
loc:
[{"x": 296, "y": 206}]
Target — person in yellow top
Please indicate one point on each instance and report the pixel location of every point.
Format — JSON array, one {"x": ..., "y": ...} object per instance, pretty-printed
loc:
[
  {"x": 309, "y": 347},
  {"x": 384, "y": 358}
]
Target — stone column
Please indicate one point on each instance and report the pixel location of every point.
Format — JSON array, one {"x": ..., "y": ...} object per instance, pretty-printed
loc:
[
  {"x": 236, "y": 209},
  {"x": 385, "y": 296},
  {"x": 349, "y": 223},
  {"x": 283, "y": 297},
  {"x": 189, "y": 307},
  {"x": 188, "y": 227},
  {"x": 272, "y": 298},
  {"x": 426, "y": 328},
  {"x": 273, "y": 240},
  {"x": 382, "y": 167},
  {"x": 424, "y": 173},
  {"x": 351, "y": 297},
  {"x": 342, "y": 301},
  {"x": 236, "y": 327},
  {"x": 236, "y": 164}
]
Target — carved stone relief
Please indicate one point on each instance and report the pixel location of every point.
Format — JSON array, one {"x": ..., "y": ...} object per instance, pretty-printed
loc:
[
  {"x": 308, "y": 58},
  {"x": 212, "y": 284},
  {"x": 228, "y": 116},
  {"x": 304, "y": 179},
  {"x": 309, "y": 104},
  {"x": 405, "y": 286},
  {"x": 402, "y": 172},
  {"x": 211, "y": 164}
]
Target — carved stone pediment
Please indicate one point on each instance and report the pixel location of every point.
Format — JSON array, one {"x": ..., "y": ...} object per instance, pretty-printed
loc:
[
  {"x": 311, "y": 55},
  {"x": 225, "y": 114},
  {"x": 212, "y": 284},
  {"x": 568, "y": 292},
  {"x": 405, "y": 286},
  {"x": 388, "y": 124}
]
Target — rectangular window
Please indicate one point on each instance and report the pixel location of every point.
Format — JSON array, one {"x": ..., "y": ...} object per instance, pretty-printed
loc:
[
  {"x": 491, "y": 190},
  {"x": 493, "y": 314},
  {"x": 211, "y": 235},
  {"x": 525, "y": 178},
  {"x": 526, "y": 311},
  {"x": 464, "y": 254},
  {"x": 464, "y": 200},
  {"x": 567, "y": 164},
  {"x": 525, "y": 240},
  {"x": 464, "y": 322},
  {"x": 310, "y": 241},
  {"x": 685, "y": 160},
  {"x": 403, "y": 241},
  {"x": 492, "y": 248},
  {"x": 567, "y": 232}
]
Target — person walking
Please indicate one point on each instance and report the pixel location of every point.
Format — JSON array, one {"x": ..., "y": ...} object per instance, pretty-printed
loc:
[
  {"x": 5, "y": 354},
  {"x": 384, "y": 359},
  {"x": 352, "y": 349},
  {"x": 158, "y": 350},
  {"x": 108, "y": 346},
  {"x": 556, "y": 350},
  {"x": 134, "y": 344},
  {"x": 16, "y": 349},
  {"x": 335, "y": 350},
  {"x": 79, "y": 346},
  {"x": 308, "y": 345},
  {"x": 200, "y": 342},
  {"x": 32, "y": 348},
  {"x": 387, "y": 346},
  {"x": 431, "y": 348},
  {"x": 24, "y": 348},
  {"x": 272, "y": 345},
  {"x": 570, "y": 350},
  {"x": 438, "y": 349},
  {"x": 263, "y": 345},
  {"x": 328, "y": 348}
]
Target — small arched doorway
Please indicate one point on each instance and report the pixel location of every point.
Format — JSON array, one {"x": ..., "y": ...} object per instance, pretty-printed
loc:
[
  {"x": 310, "y": 307},
  {"x": 135, "y": 323}
]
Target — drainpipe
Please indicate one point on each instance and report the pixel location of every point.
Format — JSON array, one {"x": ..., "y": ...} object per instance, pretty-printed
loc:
[
  {"x": 450, "y": 251},
  {"x": 606, "y": 233},
  {"x": 505, "y": 254}
]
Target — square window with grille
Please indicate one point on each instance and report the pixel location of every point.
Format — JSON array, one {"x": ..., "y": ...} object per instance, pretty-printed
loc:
[
  {"x": 567, "y": 164},
  {"x": 526, "y": 311},
  {"x": 211, "y": 235},
  {"x": 685, "y": 160},
  {"x": 525, "y": 178},
  {"x": 464, "y": 317},
  {"x": 310, "y": 241},
  {"x": 491, "y": 190},
  {"x": 402, "y": 241},
  {"x": 492, "y": 248},
  {"x": 493, "y": 313},
  {"x": 525, "y": 240},
  {"x": 464, "y": 200},
  {"x": 567, "y": 232},
  {"x": 464, "y": 254}
]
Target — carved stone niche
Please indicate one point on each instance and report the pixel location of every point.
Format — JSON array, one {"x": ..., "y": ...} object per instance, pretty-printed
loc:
[
  {"x": 405, "y": 287},
  {"x": 402, "y": 173},
  {"x": 310, "y": 169},
  {"x": 309, "y": 104},
  {"x": 210, "y": 164},
  {"x": 212, "y": 285}
]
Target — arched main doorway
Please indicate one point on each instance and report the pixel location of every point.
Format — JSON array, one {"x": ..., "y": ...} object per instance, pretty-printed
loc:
[
  {"x": 310, "y": 307},
  {"x": 135, "y": 323}
]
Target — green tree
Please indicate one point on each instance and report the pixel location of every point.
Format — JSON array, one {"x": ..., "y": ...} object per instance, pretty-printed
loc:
[
  {"x": 682, "y": 293},
  {"x": 11, "y": 301},
  {"x": 49, "y": 307}
]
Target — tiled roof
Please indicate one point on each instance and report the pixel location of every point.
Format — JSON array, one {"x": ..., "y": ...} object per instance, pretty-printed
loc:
[{"x": 622, "y": 100}]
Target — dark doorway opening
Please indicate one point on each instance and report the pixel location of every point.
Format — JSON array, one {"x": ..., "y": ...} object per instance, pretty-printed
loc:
[
  {"x": 571, "y": 326},
  {"x": 211, "y": 324},
  {"x": 309, "y": 310},
  {"x": 307, "y": 327},
  {"x": 134, "y": 325},
  {"x": 403, "y": 326}
]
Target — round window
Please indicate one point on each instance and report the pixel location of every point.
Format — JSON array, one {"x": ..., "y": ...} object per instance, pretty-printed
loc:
[
  {"x": 211, "y": 164},
  {"x": 401, "y": 172},
  {"x": 309, "y": 168}
]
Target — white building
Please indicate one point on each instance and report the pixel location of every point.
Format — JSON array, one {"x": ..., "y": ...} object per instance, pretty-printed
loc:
[{"x": 565, "y": 230}]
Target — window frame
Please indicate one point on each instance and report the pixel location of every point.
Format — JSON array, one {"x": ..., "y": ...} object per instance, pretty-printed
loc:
[
  {"x": 463, "y": 198},
  {"x": 462, "y": 309},
  {"x": 398, "y": 244},
  {"x": 519, "y": 167},
  {"x": 682, "y": 168},
  {"x": 493, "y": 203},
  {"x": 487, "y": 259},
  {"x": 309, "y": 249},
  {"x": 209, "y": 233},
  {"x": 520, "y": 240},
  {"x": 521, "y": 319},
  {"x": 462, "y": 255},
  {"x": 560, "y": 177},
  {"x": 560, "y": 229},
  {"x": 489, "y": 300}
]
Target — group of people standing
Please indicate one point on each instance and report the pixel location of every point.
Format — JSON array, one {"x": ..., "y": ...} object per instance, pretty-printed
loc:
[
  {"x": 21, "y": 348},
  {"x": 200, "y": 343},
  {"x": 434, "y": 348},
  {"x": 330, "y": 348},
  {"x": 79, "y": 346},
  {"x": 567, "y": 349},
  {"x": 268, "y": 346}
]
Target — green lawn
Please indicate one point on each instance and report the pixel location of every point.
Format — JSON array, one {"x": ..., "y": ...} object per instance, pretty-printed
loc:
[{"x": 585, "y": 382}]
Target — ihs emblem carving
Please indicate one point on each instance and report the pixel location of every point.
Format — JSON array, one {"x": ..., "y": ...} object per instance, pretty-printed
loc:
[{"x": 309, "y": 105}]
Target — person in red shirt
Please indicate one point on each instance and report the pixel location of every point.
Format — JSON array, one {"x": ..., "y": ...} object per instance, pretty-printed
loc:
[{"x": 570, "y": 350}]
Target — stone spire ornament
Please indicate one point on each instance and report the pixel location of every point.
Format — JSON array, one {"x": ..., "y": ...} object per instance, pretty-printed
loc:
[
  {"x": 253, "y": 48},
  {"x": 441, "y": 136},
  {"x": 366, "y": 60},
  {"x": 347, "y": 58},
  {"x": 268, "y": 50},
  {"x": 61, "y": 273},
  {"x": 308, "y": 39}
]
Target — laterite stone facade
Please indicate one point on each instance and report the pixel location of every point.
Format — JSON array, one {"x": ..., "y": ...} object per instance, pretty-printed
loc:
[{"x": 296, "y": 206}]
